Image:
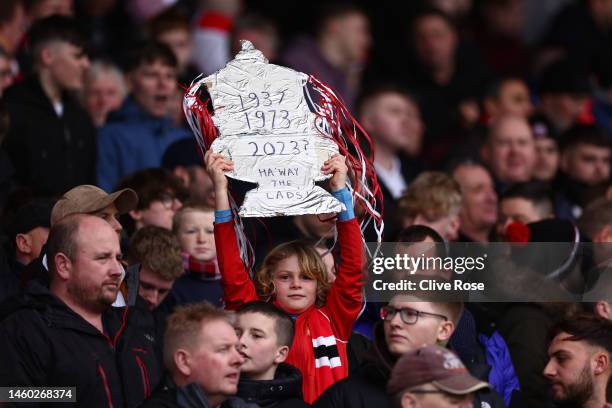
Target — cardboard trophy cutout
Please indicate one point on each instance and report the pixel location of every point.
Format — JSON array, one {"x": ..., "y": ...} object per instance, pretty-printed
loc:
[{"x": 265, "y": 126}]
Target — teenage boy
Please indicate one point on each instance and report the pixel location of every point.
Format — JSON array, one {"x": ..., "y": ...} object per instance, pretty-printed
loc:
[
  {"x": 265, "y": 334},
  {"x": 51, "y": 140}
]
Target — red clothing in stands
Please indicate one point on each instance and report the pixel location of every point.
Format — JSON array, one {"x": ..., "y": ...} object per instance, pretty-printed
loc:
[{"x": 321, "y": 334}]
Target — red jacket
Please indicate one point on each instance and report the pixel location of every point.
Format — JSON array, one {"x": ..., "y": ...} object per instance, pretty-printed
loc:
[{"x": 322, "y": 331}]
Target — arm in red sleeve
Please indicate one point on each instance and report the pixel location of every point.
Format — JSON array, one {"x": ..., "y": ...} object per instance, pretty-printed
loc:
[
  {"x": 238, "y": 288},
  {"x": 345, "y": 297}
]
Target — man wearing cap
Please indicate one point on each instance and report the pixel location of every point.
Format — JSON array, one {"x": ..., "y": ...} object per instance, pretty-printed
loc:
[
  {"x": 88, "y": 199},
  {"x": 27, "y": 231},
  {"x": 68, "y": 335},
  {"x": 84, "y": 199},
  {"x": 432, "y": 377}
]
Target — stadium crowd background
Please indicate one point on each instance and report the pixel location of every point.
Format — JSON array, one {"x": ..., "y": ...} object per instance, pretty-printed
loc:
[{"x": 490, "y": 120}]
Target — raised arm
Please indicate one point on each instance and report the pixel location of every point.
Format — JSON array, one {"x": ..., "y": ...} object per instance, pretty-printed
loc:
[
  {"x": 345, "y": 298},
  {"x": 238, "y": 288}
]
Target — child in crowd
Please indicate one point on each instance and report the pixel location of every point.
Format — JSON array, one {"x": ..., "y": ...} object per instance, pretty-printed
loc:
[
  {"x": 193, "y": 226},
  {"x": 294, "y": 278},
  {"x": 265, "y": 335}
]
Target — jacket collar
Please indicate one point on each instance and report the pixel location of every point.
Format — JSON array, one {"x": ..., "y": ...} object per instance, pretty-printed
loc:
[
  {"x": 287, "y": 384},
  {"x": 57, "y": 314},
  {"x": 377, "y": 360}
]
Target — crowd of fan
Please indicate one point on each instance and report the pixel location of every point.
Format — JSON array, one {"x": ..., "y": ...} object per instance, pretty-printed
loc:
[{"x": 120, "y": 268}]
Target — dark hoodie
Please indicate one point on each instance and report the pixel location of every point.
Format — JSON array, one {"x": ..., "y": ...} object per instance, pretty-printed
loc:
[
  {"x": 368, "y": 388},
  {"x": 284, "y": 391},
  {"x": 45, "y": 343},
  {"x": 51, "y": 153}
]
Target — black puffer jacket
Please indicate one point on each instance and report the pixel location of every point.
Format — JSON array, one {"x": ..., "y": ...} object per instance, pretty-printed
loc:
[
  {"x": 284, "y": 391},
  {"x": 45, "y": 343}
]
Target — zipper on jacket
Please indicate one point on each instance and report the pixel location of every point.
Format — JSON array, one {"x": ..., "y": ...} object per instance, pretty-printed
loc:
[
  {"x": 145, "y": 377},
  {"x": 106, "y": 387}
]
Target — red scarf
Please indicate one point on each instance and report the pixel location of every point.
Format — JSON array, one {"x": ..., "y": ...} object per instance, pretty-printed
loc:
[{"x": 208, "y": 269}]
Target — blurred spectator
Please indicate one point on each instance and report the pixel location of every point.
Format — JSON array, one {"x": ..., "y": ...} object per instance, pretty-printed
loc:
[
  {"x": 12, "y": 25},
  {"x": 478, "y": 213},
  {"x": 193, "y": 225},
  {"x": 448, "y": 76},
  {"x": 160, "y": 195},
  {"x": 525, "y": 202},
  {"x": 173, "y": 29},
  {"x": 183, "y": 160},
  {"x": 7, "y": 170},
  {"x": 41, "y": 105},
  {"x": 137, "y": 135},
  {"x": 392, "y": 119},
  {"x": 602, "y": 95},
  {"x": 104, "y": 91},
  {"x": 107, "y": 26},
  {"x": 260, "y": 31},
  {"x": 509, "y": 150},
  {"x": 143, "y": 10},
  {"x": 39, "y": 9},
  {"x": 581, "y": 31},
  {"x": 585, "y": 162},
  {"x": 564, "y": 94},
  {"x": 546, "y": 147},
  {"x": 201, "y": 356},
  {"x": 211, "y": 36},
  {"x": 6, "y": 72},
  {"x": 507, "y": 96},
  {"x": 498, "y": 36},
  {"x": 417, "y": 240},
  {"x": 538, "y": 17},
  {"x": 596, "y": 224},
  {"x": 458, "y": 10},
  {"x": 432, "y": 377},
  {"x": 158, "y": 252},
  {"x": 27, "y": 232},
  {"x": 408, "y": 323},
  {"x": 585, "y": 154},
  {"x": 337, "y": 55},
  {"x": 433, "y": 199},
  {"x": 596, "y": 221},
  {"x": 86, "y": 343},
  {"x": 579, "y": 367},
  {"x": 265, "y": 334}
]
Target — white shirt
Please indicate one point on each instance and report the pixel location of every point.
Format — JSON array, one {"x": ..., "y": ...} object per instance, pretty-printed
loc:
[{"x": 393, "y": 178}]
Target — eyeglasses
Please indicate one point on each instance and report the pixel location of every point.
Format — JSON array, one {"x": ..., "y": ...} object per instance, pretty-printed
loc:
[{"x": 408, "y": 315}]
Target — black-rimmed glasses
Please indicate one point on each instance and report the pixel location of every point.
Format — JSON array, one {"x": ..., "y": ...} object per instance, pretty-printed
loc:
[{"x": 408, "y": 315}]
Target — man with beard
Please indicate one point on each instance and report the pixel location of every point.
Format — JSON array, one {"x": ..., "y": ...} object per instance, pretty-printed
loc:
[
  {"x": 579, "y": 365},
  {"x": 69, "y": 335}
]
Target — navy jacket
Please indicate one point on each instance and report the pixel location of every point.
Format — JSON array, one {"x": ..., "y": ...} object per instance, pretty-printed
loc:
[{"x": 132, "y": 140}]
